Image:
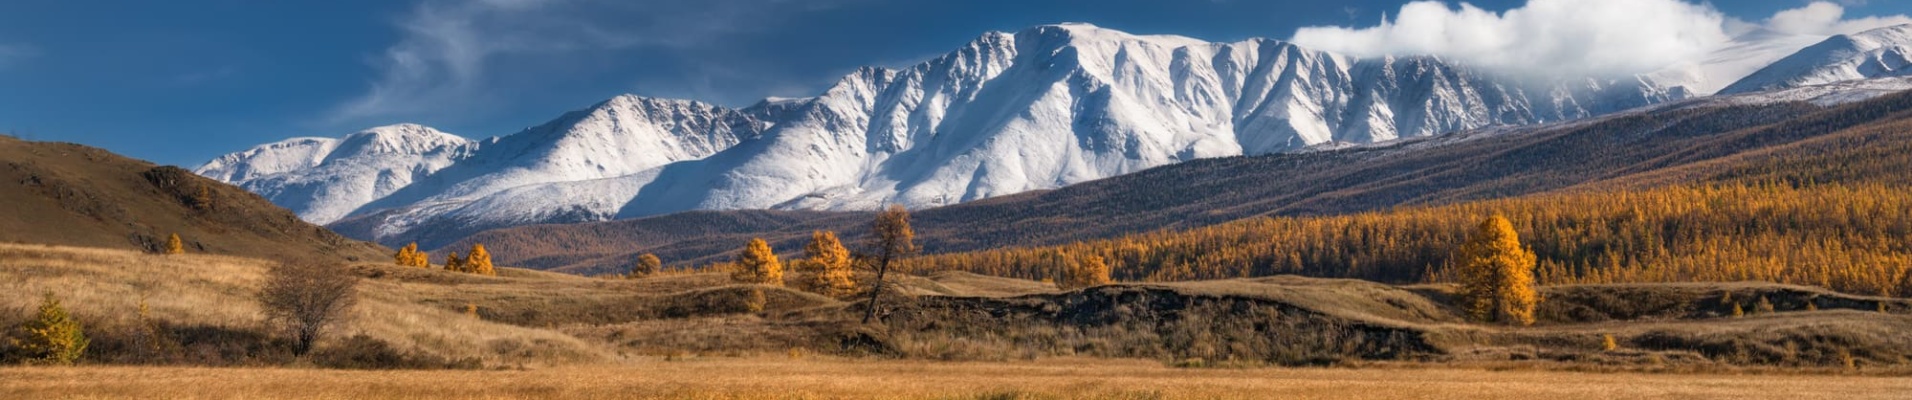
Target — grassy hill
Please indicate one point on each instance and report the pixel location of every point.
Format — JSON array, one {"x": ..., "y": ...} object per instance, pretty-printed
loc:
[{"x": 68, "y": 194}]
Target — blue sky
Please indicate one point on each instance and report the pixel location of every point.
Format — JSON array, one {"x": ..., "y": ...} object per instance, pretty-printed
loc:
[{"x": 180, "y": 81}]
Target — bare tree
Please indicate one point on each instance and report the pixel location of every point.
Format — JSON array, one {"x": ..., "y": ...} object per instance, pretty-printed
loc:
[
  {"x": 306, "y": 298},
  {"x": 890, "y": 239}
]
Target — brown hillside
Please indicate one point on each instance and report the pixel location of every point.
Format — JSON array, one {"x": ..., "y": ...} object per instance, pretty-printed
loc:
[
  {"x": 68, "y": 194},
  {"x": 1862, "y": 142}
]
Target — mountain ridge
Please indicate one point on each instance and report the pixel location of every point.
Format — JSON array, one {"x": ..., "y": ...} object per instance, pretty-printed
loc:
[{"x": 1005, "y": 113}]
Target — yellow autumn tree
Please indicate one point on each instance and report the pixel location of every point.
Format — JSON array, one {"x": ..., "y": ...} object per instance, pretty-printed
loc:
[
  {"x": 404, "y": 256},
  {"x": 647, "y": 264},
  {"x": 825, "y": 268},
  {"x": 174, "y": 245},
  {"x": 891, "y": 240},
  {"x": 410, "y": 256},
  {"x": 53, "y": 336},
  {"x": 1497, "y": 274},
  {"x": 479, "y": 261},
  {"x": 757, "y": 264},
  {"x": 453, "y": 263},
  {"x": 1085, "y": 271}
]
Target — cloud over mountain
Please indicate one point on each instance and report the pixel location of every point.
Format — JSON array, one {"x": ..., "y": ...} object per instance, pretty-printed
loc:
[{"x": 1573, "y": 38}]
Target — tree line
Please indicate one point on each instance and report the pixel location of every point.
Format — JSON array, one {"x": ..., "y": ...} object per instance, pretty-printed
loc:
[{"x": 1855, "y": 238}]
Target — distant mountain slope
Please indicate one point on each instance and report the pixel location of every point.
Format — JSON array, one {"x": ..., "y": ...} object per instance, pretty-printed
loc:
[
  {"x": 1878, "y": 53},
  {"x": 67, "y": 194},
  {"x": 1801, "y": 134}
]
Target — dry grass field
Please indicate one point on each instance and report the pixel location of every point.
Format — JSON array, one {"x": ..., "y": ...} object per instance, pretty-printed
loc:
[
  {"x": 211, "y": 298},
  {"x": 685, "y": 335},
  {"x": 782, "y": 378}
]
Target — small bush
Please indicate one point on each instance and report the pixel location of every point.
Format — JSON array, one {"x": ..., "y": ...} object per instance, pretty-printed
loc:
[
  {"x": 52, "y": 337},
  {"x": 174, "y": 245},
  {"x": 756, "y": 302},
  {"x": 647, "y": 265}
]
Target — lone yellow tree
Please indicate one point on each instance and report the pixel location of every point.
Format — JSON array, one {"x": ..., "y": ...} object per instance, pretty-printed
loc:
[
  {"x": 1086, "y": 271},
  {"x": 410, "y": 256},
  {"x": 825, "y": 268},
  {"x": 1497, "y": 275},
  {"x": 479, "y": 261},
  {"x": 174, "y": 245},
  {"x": 890, "y": 239},
  {"x": 53, "y": 336},
  {"x": 757, "y": 264},
  {"x": 404, "y": 256},
  {"x": 647, "y": 264}
]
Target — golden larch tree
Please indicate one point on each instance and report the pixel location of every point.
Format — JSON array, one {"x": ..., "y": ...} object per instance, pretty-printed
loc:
[
  {"x": 479, "y": 261},
  {"x": 174, "y": 245},
  {"x": 891, "y": 240},
  {"x": 404, "y": 256},
  {"x": 53, "y": 336},
  {"x": 410, "y": 256},
  {"x": 757, "y": 264},
  {"x": 825, "y": 268},
  {"x": 1497, "y": 274},
  {"x": 647, "y": 264},
  {"x": 454, "y": 263},
  {"x": 1086, "y": 271}
]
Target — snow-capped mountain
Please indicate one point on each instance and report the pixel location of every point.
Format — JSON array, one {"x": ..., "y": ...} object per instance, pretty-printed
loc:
[
  {"x": 1062, "y": 104},
  {"x": 1877, "y": 53},
  {"x": 324, "y": 179},
  {"x": 1006, "y": 113},
  {"x": 1735, "y": 60}
]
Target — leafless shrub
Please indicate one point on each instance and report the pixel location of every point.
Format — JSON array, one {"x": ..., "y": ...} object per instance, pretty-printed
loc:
[{"x": 306, "y": 298}]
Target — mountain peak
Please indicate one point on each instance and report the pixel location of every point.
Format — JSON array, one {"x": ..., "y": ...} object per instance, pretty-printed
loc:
[
  {"x": 1878, "y": 53},
  {"x": 406, "y": 138},
  {"x": 1895, "y": 33},
  {"x": 1079, "y": 32}
]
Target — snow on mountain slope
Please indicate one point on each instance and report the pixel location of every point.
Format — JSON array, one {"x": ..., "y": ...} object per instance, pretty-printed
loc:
[
  {"x": 1883, "y": 52},
  {"x": 1006, "y": 113},
  {"x": 620, "y": 136},
  {"x": 325, "y": 179},
  {"x": 283, "y": 156},
  {"x": 1743, "y": 56},
  {"x": 1061, "y": 104}
]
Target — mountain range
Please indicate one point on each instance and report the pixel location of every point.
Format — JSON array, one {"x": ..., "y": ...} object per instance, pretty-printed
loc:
[{"x": 1007, "y": 113}]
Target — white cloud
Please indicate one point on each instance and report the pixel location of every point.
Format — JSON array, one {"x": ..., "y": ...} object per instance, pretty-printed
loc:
[
  {"x": 442, "y": 56},
  {"x": 1572, "y": 38},
  {"x": 1823, "y": 18}
]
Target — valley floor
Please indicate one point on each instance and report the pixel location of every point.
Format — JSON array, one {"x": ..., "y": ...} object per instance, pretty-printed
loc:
[{"x": 781, "y": 378}]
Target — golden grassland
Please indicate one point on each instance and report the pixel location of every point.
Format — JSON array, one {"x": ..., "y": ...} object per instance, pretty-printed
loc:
[
  {"x": 106, "y": 288},
  {"x": 782, "y": 378},
  {"x": 678, "y": 335}
]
